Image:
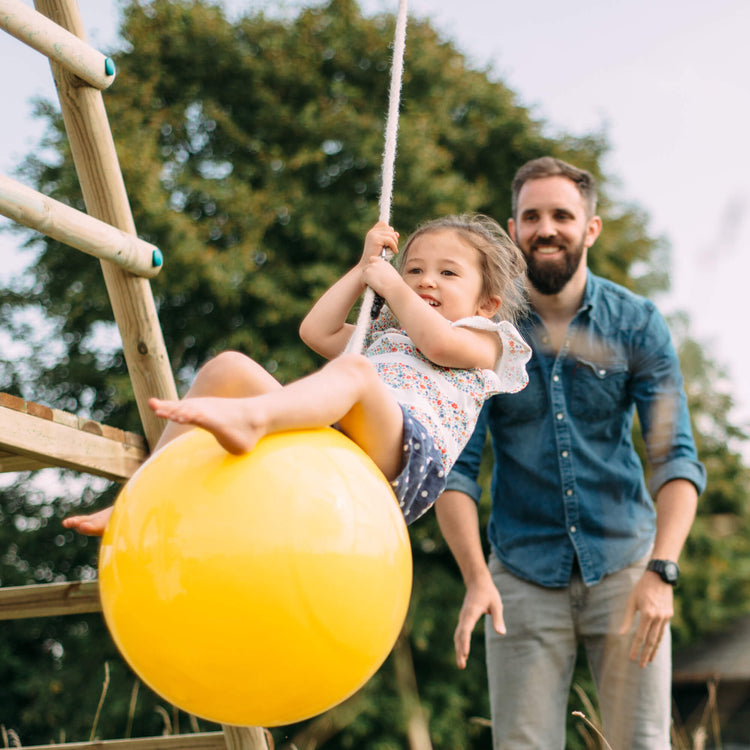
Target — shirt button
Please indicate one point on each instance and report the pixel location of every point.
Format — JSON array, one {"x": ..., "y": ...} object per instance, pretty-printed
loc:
[
  {"x": 602, "y": 372},
  {"x": 559, "y": 415},
  {"x": 564, "y": 454},
  {"x": 568, "y": 492},
  {"x": 572, "y": 529},
  {"x": 555, "y": 378}
]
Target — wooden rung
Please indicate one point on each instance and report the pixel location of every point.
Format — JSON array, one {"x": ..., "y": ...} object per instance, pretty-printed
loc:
[
  {"x": 49, "y": 600},
  {"x": 45, "y": 36},
  {"x": 202, "y": 741},
  {"x": 35, "y": 436},
  {"x": 77, "y": 229}
]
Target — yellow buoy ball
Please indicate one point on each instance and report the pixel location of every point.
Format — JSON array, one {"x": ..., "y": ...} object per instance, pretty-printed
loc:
[{"x": 260, "y": 589}]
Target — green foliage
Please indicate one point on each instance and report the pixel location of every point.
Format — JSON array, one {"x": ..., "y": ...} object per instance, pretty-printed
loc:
[
  {"x": 715, "y": 585},
  {"x": 251, "y": 152}
]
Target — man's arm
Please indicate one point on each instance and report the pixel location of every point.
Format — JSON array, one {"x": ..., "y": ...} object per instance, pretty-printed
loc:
[
  {"x": 459, "y": 523},
  {"x": 677, "y": 477},
  {"x": 676, "y": 504}
]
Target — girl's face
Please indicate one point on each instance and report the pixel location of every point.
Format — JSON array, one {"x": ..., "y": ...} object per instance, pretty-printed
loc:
[{"x": 443, "y": 269}]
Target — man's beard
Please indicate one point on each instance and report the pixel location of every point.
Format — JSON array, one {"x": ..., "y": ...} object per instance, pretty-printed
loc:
[{"x": 551, "y": 277}]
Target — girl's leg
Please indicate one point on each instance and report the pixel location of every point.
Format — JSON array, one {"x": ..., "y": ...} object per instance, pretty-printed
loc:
[
  {"x": 347, "y": 390},
  {"x": 229, "y": 375}
]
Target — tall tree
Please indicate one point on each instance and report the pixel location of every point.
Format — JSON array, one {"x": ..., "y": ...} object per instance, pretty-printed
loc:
[{"x": 251, "y": 152}]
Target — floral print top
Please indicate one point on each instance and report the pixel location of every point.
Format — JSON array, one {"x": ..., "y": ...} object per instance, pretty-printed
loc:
[{"x": 446, "y": 400}]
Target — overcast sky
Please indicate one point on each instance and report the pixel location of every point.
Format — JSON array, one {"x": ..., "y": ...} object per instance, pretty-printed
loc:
[{"x": 668, "y": 82}]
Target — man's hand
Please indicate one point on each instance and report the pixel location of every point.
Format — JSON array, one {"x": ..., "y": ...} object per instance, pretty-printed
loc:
[
  {"x": 654, "y": 600},
  {"x": 481, "y": 599}
]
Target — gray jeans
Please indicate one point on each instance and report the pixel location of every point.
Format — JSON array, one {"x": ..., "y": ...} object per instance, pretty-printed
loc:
[{"x": 531, "y": 667}]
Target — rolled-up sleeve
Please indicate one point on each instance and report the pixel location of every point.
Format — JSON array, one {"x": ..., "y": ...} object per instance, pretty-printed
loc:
[{"x": 660, "y": 398}]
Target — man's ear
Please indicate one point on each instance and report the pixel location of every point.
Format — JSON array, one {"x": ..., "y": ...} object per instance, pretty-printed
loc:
[
  {"x": 593, "y": 230},
  {"x": 489, "y": 306},
  {"x": 512, "y": 229}
]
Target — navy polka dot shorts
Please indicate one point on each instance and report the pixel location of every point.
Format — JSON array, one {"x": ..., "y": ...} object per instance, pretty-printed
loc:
[{"x": 422, "y": 478}]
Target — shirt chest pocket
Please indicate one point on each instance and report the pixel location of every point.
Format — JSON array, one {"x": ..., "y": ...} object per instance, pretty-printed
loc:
[
  {"x": 528, "y": 405},
  {"x": 599, "y": 391}
]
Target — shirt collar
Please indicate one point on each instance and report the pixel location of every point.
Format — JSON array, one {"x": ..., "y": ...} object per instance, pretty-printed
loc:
[
  {"x": 591, "y": 293},
  {"x": 591, "y": 297}
]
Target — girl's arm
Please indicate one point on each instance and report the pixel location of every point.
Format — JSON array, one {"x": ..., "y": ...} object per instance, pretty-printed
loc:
[
  {"x": 324, "y": 328},
  {"x": 432, "y": 334}
]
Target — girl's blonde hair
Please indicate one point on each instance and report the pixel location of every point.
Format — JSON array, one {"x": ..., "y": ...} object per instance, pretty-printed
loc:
[{"x": 501, "y": 263}]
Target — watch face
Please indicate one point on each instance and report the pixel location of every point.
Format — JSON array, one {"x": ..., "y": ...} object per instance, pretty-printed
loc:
[
  {"x": 671, "y": 572},
  {"x": 667, "y": 569}
]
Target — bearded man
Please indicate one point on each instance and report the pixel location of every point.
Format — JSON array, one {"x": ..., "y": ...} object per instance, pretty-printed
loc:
[{"x": 582, "y": 549}]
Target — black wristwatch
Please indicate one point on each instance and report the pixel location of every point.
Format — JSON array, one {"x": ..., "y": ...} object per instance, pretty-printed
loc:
[{"x": 667, "y": 569}]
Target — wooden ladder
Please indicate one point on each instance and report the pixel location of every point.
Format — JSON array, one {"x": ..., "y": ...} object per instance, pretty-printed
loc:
[{"x": 33, "y": 436}]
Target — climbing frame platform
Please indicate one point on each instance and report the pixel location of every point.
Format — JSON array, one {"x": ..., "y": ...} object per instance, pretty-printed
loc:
[{"x": 33, "y": 436}]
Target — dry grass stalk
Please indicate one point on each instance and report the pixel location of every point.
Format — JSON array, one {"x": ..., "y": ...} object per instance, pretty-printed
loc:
[
  {"x": 713, "y": 701},
  {"x": 165, "y": 718},
  {"x": 697, "y": 738},
  {"x": 700, "y": 735},
  {"x": 131, "y": 708},
  {"x": 105, "y": 687},
  {"x": 581, "y": 715},
  {"x": 480, "y": 720},
  {"x": 592, "y": 743},
  {"x": 10, "y": 737}
]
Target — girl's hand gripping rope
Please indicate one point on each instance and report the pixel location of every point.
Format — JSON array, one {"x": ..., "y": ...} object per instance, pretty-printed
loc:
[
  {"x": 383, "y": 238},
  {"x": 377, "y": 302}
]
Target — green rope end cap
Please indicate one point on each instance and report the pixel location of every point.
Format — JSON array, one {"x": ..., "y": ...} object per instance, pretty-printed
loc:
[
  {"x": 157, "y": 258},
  {"x": 109, "y": 66}
]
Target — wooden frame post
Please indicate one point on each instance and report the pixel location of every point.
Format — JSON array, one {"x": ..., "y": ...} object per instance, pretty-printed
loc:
[{"x": 104, "y": 193}]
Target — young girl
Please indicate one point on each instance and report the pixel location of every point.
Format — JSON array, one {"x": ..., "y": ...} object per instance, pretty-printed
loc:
[{"x": 433, "y": 356}]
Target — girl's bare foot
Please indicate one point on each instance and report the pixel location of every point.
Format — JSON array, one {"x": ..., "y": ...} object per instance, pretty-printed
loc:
[
  {"x": 92, "y": 524},
  {"x": 226, "y": 418}
]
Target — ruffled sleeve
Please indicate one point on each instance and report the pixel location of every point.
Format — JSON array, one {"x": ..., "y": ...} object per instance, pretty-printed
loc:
[{"x": 509, "y": 374}]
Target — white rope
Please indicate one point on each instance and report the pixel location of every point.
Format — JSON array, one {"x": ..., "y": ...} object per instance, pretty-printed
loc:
[{"x": 356, "y": 342}]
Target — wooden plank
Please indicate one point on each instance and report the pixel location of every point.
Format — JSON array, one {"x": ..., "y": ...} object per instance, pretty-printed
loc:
[
  {"x": 49, "y": 600},
  {"x": 45, "y": 36},
  {"x": 104, "y": 193},
  {"x": 13, "y": 462},
  {"x": 201, "y": 741},
  {"x": 43, "y": 442},
  {"x": 245, "y": 738},
  {"x": 77, "y": 229}
]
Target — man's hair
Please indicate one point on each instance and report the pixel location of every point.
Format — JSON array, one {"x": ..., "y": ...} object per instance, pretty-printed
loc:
[{"x": 548, "y": 166}]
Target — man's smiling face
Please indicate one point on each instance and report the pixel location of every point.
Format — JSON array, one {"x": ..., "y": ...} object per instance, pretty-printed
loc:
[{"x": 553, "y": 231}]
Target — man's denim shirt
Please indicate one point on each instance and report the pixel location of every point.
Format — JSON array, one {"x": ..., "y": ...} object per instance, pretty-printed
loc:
[{"x": 566, "y": 480}]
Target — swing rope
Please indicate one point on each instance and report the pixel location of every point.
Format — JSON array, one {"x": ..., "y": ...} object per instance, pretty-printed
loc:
[{"x": 370, "y": 301}]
